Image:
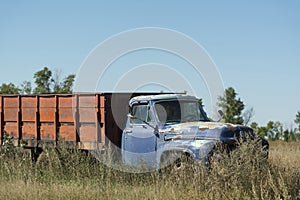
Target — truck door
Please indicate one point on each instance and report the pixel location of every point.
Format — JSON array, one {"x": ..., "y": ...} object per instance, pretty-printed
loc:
[{"x": 139, "y": 141}]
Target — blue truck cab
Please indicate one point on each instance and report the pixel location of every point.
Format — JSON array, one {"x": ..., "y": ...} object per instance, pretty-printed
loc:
[{"x": 161, "y": 129}]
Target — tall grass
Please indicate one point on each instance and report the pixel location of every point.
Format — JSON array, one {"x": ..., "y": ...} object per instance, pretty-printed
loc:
[{"x": 64, "y": 174}]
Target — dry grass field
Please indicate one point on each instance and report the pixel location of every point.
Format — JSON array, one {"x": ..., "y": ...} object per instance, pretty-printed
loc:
[{"x": 74, "y": 175}]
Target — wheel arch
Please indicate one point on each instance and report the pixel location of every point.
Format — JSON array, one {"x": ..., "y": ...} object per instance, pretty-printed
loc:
[{"x": 169, "y": 156}]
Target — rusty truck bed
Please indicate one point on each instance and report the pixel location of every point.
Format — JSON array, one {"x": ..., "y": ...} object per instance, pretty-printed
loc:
[{"x": 82, "y": 120}]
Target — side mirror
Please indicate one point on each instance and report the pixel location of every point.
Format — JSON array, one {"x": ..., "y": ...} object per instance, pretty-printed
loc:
[
  {"x": 131, "y": 116},
  {"x": 221, "y": 114}
]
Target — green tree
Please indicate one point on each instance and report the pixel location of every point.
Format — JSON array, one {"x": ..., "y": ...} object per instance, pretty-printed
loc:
[
  {"x": 297, "y": 120},
  {"x": 231, "y": 106},
  {"x": 43, "y": 81},
  {"x": 263, "y": 131},
  {"x": 65, "y": 87},
  {"x": 26, "y": 87},
  {"x": 255, "y": 128},
  {"x": 254, "y": 125},
  {"x": 274, "y": 130},
  {"x": 293, "y": 135},
  {"x": 290, "y": 135},
  {"x": 9, "y": 88}
]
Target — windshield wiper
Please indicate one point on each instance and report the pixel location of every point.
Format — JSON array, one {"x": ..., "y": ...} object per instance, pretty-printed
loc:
[{"x": 172, "y": 121}]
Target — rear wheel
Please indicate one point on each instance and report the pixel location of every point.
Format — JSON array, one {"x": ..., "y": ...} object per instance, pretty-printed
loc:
[{"x": 48, "y": 160}]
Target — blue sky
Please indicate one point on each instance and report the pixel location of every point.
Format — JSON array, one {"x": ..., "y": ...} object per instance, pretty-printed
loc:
[{"x": 255, "y": 44}]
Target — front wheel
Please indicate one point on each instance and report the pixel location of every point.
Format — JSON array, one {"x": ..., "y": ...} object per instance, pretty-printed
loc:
[{"x": 183, "y": 163}]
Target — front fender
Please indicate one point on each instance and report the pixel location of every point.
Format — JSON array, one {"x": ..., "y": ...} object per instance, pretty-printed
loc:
[{"x": 170, "y": 151}]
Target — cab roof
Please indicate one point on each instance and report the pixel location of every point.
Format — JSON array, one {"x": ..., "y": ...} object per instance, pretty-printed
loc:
[{"x": 147, "y": 98}]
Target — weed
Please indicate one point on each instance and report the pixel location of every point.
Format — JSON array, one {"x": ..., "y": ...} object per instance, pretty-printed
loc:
[{"x": 65, "y": 173}]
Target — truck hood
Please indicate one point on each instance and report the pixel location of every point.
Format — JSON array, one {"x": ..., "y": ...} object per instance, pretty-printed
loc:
[
  {"x": 203, "y": 125},
  {"x": 225, "y": 132}
]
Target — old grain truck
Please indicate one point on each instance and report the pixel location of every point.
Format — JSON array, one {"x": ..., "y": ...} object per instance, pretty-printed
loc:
[{"x": 156, "y": 129}]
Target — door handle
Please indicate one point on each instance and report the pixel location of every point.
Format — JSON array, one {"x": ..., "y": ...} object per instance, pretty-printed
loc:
[{"x": 128, "y": 131}]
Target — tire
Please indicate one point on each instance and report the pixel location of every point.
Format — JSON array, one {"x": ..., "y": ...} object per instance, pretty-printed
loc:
[
  {"x": 184, "y": 163},
  {"x": 48, "y": 160}
]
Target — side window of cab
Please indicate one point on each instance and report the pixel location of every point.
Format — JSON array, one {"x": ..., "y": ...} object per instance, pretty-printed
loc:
[{"x": 141, "y": 112}]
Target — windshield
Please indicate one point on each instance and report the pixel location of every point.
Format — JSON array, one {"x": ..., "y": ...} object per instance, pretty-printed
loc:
[{"x": 179, "y": 111}]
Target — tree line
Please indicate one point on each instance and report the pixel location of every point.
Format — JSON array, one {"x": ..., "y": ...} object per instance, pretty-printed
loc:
[
  {"x": 234, "y": 112},
  {"x": 46, "y": 82}
]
